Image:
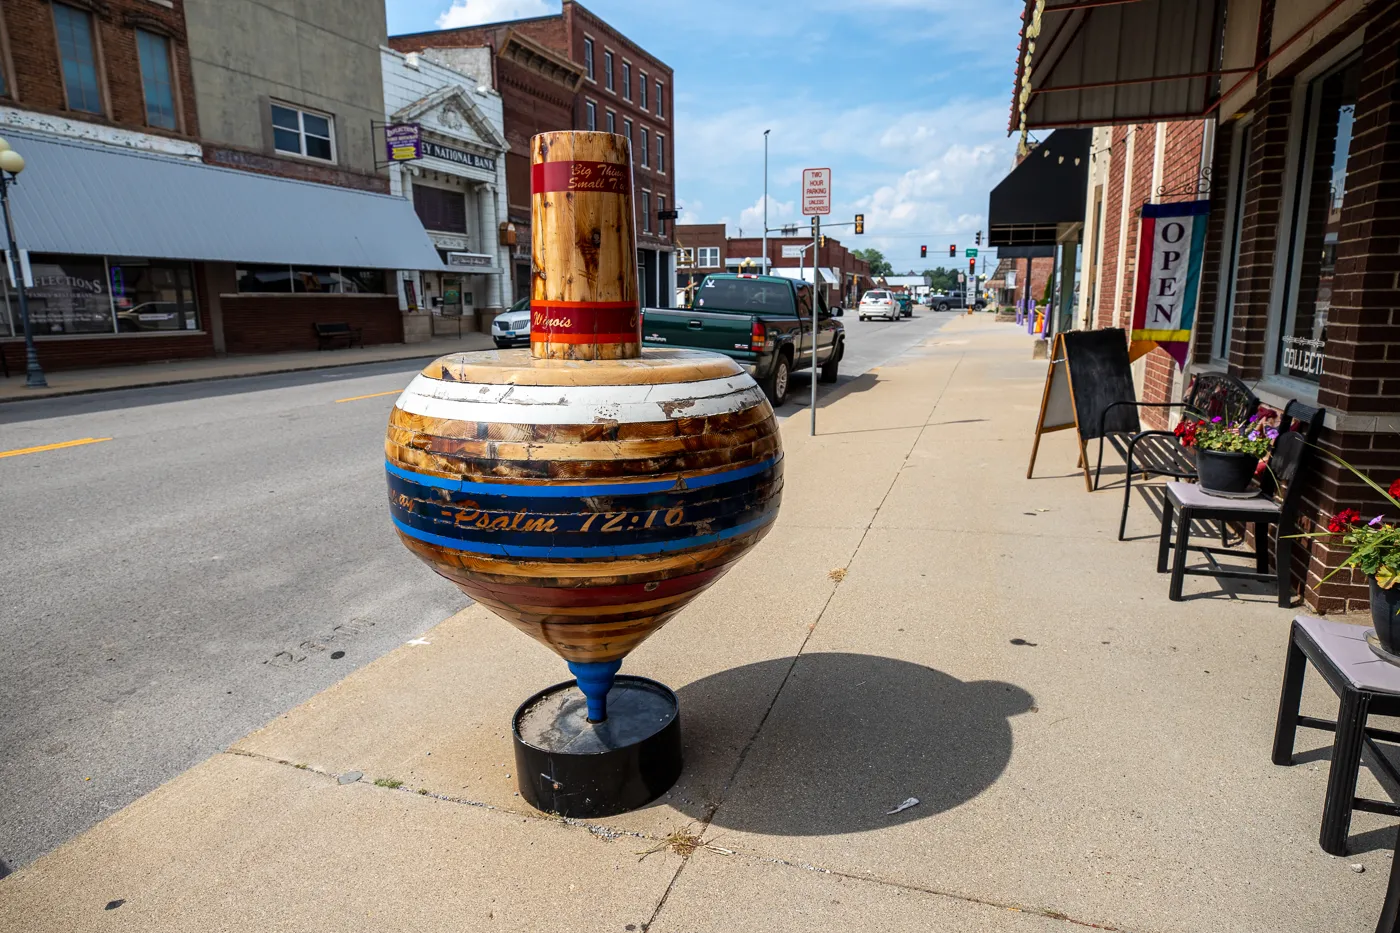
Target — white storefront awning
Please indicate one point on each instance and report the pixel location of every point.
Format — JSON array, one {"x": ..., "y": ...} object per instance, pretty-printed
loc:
[
  {"x": 829, "y": 276},
  {"x": 88, "y": 199}
]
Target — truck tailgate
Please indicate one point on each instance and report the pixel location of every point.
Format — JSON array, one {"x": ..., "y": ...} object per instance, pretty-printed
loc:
[{"x": 699, "y": 330}]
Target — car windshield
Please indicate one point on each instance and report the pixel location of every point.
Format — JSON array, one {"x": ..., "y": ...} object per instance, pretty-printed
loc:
[
  {"x": 877, "y": 295},
  {"x": 745, "y": 295},
  {"x": 522, "y": 305}
]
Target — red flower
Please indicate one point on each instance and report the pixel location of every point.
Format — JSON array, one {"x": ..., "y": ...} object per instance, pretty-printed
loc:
[
  {"x": 1186, "y": 431},
  {"x": 1343, "y": 520},
  {"x": 1395, "y": 489}
]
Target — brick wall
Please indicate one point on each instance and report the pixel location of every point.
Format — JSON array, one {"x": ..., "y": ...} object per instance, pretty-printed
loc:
[
  {"x": 1362, "y": 371},
  {"x": 270, "y": 323},
  {"x": 1213, "y": 263},
  {"x": 38, "y": 72}
]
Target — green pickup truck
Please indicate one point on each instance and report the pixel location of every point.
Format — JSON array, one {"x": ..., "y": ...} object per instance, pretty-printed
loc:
[{"x": 762, "y": 321}]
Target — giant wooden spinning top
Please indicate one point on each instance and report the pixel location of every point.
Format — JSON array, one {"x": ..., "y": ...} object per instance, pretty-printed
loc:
[{"x": 585, "y": 490}]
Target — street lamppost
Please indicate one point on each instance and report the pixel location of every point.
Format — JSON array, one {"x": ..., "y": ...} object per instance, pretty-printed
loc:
[
  {"x": 11, "y": 164},
  {"x": 764, "y": 270}
]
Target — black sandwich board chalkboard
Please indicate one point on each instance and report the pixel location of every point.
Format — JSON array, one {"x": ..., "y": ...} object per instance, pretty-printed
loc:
[{"x": 1089, "y": 371}]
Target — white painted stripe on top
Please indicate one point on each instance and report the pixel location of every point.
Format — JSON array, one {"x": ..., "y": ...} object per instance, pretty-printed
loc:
[{"x": 511, "y": 404}]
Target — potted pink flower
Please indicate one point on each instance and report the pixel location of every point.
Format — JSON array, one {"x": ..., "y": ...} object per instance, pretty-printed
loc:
[{"x": 1228, "y": 453}]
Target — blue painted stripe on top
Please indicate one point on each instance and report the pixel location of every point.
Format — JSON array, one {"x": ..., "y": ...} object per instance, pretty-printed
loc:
[
  {"x": 579, "y": 489},
  {"x": 513, "y": 550}
]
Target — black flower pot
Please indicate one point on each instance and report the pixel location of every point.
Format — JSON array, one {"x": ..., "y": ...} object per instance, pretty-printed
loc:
[
  {"x": 1227, "y": 472},
  {"x": 1385, "y": 615}
]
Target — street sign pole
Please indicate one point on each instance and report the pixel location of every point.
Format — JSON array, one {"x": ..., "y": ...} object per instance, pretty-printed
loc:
[{"x": 816, "y": 284}]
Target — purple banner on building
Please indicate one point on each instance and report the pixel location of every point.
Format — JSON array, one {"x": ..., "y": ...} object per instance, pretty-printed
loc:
[{"x": 403, "y": 142}]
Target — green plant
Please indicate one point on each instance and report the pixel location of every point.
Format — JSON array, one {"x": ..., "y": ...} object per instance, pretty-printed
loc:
[
  {"x": 1375, "y": 544},
  {"x": 390, "y": 783}
]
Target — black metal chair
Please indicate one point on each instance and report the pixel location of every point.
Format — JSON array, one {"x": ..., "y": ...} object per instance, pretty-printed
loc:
[
  {"x": 1159, "y": 453},
  {"x": 1277, "y": 506}
]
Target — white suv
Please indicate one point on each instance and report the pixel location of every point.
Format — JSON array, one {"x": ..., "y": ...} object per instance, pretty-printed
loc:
[{"x": 878, "y": 303}]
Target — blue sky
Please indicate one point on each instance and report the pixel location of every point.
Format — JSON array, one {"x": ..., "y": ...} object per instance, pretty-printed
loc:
[{"x": 905, "y": 100}]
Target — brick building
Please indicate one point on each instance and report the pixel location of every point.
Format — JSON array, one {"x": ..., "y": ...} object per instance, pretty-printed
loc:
[
  {"x": 139, "y": 239},
  {"x": 572, "y": 70},
  {"x": 1287, "y": 119},
  {"x": 706, "y": 248}
]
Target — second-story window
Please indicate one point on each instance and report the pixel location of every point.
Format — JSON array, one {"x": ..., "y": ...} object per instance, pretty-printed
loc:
[
  {"x": 646, "y": 148},
  {"x": 75, "y": 46},
  {"x": 660, "y": 153},
  {"x": 642, "y": 90},
  {"x": 627, "y": 130},
  {"x": 608, "y": 70},
  {"x": 590, "y": 115},
  {"x": 154, "y": 52},
  {"x": 626, "y": 81},
  {"x": 646, "y": 211},
  {"x": 612, "y": 122},
  {"x": 660, "y": 209},
  {"x": 300, "y": 132},
  {"x": 588, "y": 58},
  {"x": 660, "y": 96}
]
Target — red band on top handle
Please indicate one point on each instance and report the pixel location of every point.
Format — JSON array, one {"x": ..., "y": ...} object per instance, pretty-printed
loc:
[{"x": 606, "y": 177}]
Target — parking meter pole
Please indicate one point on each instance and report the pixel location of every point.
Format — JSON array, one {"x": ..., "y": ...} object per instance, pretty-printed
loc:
[{"x": 816, "y": 284}]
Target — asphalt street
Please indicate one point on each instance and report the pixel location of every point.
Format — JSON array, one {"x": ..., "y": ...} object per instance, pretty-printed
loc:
[{"x": 218, "y": 553}]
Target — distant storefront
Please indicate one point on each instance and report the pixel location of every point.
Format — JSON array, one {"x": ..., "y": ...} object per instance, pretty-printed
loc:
[
  {"x": 455, "y": 179},
  {"x": 133, "y": 256}
]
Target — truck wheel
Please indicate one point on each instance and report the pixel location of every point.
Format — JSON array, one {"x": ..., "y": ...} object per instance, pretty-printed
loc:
[
  {"x": 943, "y": 306},
  {"x": 833, "y": 363},
  {"x": 776, "y": 385}
]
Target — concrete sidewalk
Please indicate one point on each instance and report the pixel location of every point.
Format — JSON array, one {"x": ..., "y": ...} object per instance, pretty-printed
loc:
[
  {"x": 143, "y": 375},
  {"x": 1084, "y": 752}
]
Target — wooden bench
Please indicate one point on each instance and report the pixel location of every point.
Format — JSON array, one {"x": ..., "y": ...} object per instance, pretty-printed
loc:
[{"x": 328, "y": 335}]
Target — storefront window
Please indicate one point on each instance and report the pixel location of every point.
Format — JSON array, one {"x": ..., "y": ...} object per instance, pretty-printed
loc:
[
  {"x": 1321, "y": 191},
  {"x": 369, "y": 281},
  {"x": 70, "y": 295},
  {"x": 1238, "y": 178},
  {"x": 311, "y": 280},
  {"x": 314, "y": 279},
  {"x": 152, "y": 295},
  {"x": 265, "y": 278}
]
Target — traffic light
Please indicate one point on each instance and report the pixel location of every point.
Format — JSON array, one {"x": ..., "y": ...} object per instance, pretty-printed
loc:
[
  {"x": 823, "y": 241},
  {"x": 923, "y": 252},
  {"x": 953, "y": 250},
  {"x": 972, "y": 266},
  {"x": 814, "y": 226},
  {"x": 979, "y": 237},
  {"x": 860, "y": 223}
]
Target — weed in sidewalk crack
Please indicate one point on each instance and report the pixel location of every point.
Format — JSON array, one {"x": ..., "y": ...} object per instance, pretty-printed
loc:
[{"x": 391, "y": 783}]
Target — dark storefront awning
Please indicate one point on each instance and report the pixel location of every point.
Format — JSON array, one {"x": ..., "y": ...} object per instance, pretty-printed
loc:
[
  {"x": 96, "y": 200},
  {"x": 1095, "y": 62},
  {"x": 1047, "y": 189}
]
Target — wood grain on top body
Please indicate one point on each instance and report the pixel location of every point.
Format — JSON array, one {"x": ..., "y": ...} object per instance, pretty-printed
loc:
[{"x": 584, "y": 302}]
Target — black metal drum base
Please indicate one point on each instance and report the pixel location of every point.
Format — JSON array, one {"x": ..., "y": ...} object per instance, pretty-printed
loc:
[{"x": 569, "y": 766}]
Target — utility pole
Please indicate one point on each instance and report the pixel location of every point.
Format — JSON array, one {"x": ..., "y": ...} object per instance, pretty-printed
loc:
[{"x": 764, "y": 270}]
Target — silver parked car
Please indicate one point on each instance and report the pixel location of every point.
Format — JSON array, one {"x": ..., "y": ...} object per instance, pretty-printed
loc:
[
  {"x": 878, "y": 303},
  {"x": 513, "y": 326}
]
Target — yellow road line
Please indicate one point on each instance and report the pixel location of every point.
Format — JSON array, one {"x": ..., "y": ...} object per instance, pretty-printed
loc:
[
  {"x": 356, "y": 398},
  {"x": 36, "y": 450}
]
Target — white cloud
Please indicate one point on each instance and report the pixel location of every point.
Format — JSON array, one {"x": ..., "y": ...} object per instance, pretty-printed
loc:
[
  {"x": 751, "y": 218},
  {"x": 476, "y": 12},
  {"x": 920, "y": 176}
]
